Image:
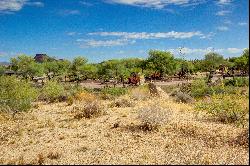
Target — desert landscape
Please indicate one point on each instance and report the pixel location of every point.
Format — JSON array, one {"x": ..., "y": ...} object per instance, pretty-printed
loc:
[{"x": 122, "y": 82}]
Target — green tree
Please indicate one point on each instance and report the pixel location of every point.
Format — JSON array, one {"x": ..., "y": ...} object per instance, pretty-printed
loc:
[
  {"x": 161, "y": 61},
  {"x": 242, "y": 62},
  {"x": 212, "y": 61},
  {"x": 26, "y": 65},
  {"x": 89, "y": 71},
  {"x": 76, "y": 66}
]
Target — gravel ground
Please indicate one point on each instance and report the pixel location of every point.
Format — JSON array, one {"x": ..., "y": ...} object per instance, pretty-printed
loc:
[{"x": 50, "y": 134}]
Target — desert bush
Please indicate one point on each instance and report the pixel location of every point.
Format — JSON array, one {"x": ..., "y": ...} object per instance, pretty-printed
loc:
[
  {"x": 123, "y": 102},
  {"x": 237, "y": 81},
  {"x": 52, "y": 91},
  {"x": 182, "y": 97},
  {"x": 110, "y": 93},
  {"x": 242, "y": 139},
  {"x": 139, "y": 93},
  {"x": 226, "y": 108},
  {"x": 88, "y": 110},
  {"x": 152, "y": 117},
  {"x": 85, "y": 96},
  {"x": 72, "y": 89},
  {"x": 199, "y": 88},
  {"x": 169, "y": 88},
  {"x": 70, "y": 100},
  {"x": 16, "y": 95}
]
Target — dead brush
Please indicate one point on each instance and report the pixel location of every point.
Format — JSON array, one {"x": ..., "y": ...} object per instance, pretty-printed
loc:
[
  {"x": 88, "y": 110},
  {"x": 152, "y": 117},
  {"x": 242, "y": 139},
  {"x": 140, "y": 93},
  {"x": 53, "y": 155},
  {"x": 85, "y": 96},
  {"x": 123, "y": 102}
]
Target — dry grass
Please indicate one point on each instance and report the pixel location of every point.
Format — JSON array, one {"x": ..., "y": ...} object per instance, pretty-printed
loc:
[
  {"x": 139, "y": 93},
  {"x": 85, "y": 97},
  {"x": 153, "y": 116},
  {"x": 123, "y": 101},
  {"x": 88, "y": 110},
  {"x": 50, "y": 135}
]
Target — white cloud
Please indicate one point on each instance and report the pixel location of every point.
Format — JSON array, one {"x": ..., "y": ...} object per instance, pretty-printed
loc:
[
  {"x": 234, "y": 50},
  {"x": 227, "y": 22},
  {"x": 11, "y": 6},
  {"x": 37, "y": 4},
  {"x": 222, "y": 13},
  {"x": 121, "y": 52},
  {"x": 158, "y": 4},
  {"x": 146, "y": 35},
  {"x": 85, "y": 3},
  {"x": 224, "y": 2},
  {"x": 223, "y": 28},
  {"x": 68, "y": 12},
  {"x": 73, "y": 33},
  {"x": 202, "y": 51},
  {"x": 242, "y": 23},
  {"x": 104, "y": 43}
]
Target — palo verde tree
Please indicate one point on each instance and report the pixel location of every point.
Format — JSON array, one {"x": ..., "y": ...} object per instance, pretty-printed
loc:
[
  {"x": 162, "y": 62},
  {"x": 242, "y": 62},
  {"x": 212, "y": 61},
  {"x": 27, "y": 66},
  {"x": 76, "y": 66},
  {"x": 89, "y": 71}
]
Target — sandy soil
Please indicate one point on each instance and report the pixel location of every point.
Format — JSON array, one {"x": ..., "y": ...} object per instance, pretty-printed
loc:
[{"x": 50, "y": 134}]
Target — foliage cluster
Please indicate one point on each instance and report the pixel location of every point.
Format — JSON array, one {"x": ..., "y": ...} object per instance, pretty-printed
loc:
[
  {"x": 16, "y": 95},
  {"x": 226, "y": 108}
]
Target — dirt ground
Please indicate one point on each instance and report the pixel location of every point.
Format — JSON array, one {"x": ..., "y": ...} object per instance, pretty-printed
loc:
[{"x": 49, "y": 134}]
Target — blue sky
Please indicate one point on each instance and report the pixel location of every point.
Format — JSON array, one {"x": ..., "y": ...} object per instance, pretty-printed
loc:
[{"x": 106, "y": 29}]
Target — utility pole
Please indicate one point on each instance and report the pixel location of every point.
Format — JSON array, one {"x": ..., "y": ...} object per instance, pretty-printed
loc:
[{"x": 181, "y": 53}]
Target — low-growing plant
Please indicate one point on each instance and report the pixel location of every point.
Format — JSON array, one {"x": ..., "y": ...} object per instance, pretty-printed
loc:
[
  {"x": 88, "y": 110},
  {"x": 70, "y": 100},
  {"x": 152, "y": 117},
  {"x": 73, "y": 89},
  {"x": 109, "y": 93},
  {"x": 199, "y": 88},
  {"x": 123, "y": 102},
  {"x": 242, "y": 139},
  {"x": 237, "y": 81},
  {"x": 182, "y": 97},
  {"x": 139, "y": 93},
  {"x": 85, "y": 96},
  {"x": 16, "y": 95},
  {"x": 52, "y": 91},
  {"x": 226, "y": 108}
]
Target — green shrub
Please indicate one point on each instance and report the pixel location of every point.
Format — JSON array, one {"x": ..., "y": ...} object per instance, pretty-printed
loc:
[
  {"x": 182, "y": 97},
  {"x": 72, "y": 89},
  {"x": 237, "y": 81},
  {"x": 199, "y": 88},
  {"x": 113, "y": 92},
  {"x": 52, "y": 91},
  {"x": 226, "y": 108},
  {"x": 16, "y": 95}
]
